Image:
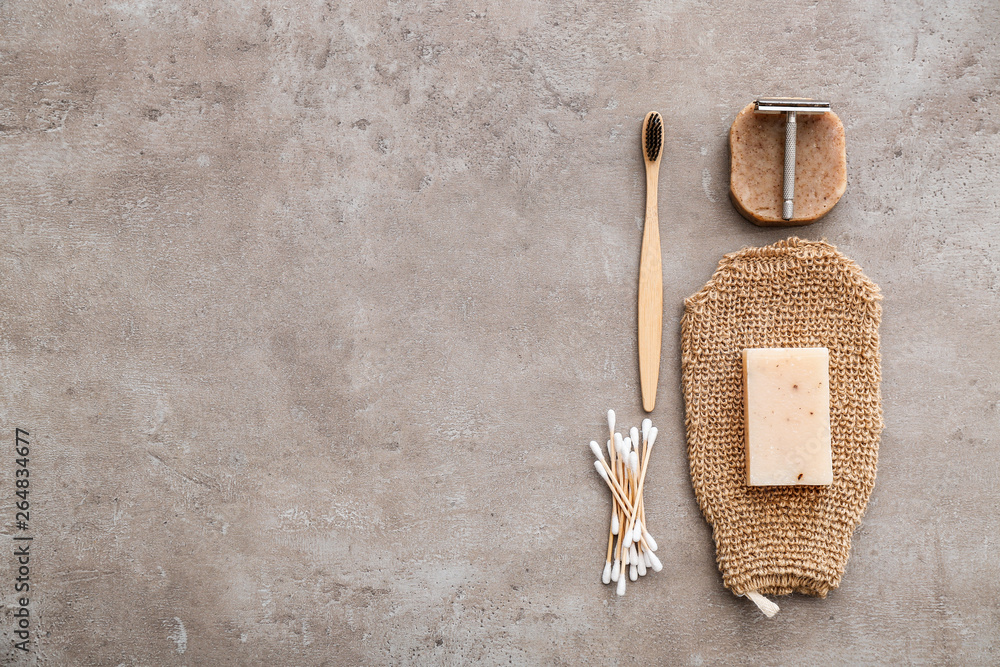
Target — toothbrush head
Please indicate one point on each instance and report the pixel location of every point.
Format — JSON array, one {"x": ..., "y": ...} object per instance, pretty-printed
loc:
[{"x": 652, "y": 136}]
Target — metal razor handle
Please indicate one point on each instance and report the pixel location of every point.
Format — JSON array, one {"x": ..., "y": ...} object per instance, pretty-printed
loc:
[{"x": 788, "y": 187}]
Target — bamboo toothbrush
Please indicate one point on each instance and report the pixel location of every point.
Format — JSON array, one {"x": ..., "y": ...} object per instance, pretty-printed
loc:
[{"x": 650, "y": 266}]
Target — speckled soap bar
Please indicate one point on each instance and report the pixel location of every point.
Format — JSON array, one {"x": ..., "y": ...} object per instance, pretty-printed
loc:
[
  {"x": 786, "y": 416},
  {"x": 757, "y": 152}
]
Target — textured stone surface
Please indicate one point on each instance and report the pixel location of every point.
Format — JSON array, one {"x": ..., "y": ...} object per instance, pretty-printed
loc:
[{"x": 311, "y": 309}]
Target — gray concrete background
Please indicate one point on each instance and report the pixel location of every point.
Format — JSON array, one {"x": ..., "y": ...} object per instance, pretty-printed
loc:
[{"x": 312, "y": 307}]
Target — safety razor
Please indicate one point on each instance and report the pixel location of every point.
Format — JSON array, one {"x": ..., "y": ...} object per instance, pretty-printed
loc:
[{"x": 791, "y": 107}]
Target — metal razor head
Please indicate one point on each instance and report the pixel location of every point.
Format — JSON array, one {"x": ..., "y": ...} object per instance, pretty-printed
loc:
[{"x": 783, "y": 104}]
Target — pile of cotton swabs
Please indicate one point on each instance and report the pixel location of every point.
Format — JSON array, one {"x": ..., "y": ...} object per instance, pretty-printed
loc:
[{"x": 625, "y": 475}]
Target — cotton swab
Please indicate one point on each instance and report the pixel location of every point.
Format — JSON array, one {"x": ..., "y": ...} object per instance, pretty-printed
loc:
[
  {"x": 649, "y": 439},
  {"x": 606, "y": 575},
  {"x": 634, "y": 463}
]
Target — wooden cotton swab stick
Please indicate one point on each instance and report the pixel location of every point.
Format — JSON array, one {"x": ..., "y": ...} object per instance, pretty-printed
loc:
[
  {"x": 618, "y": 473},
  {"x": 606, "y": 574},
  {"x": 647, "y": 539},
  {"x": 624, "y": 446},
  {"x": 646, "y": 425},
  {"x": 633, "y": 462},
  {"x": 615, "y": 523},
  {"x": 642, "y": 476},
  {"x": 651, "y": 438}
]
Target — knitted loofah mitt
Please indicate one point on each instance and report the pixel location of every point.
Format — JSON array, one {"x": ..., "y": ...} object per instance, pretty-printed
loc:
[{"x": 795, "y": 293}]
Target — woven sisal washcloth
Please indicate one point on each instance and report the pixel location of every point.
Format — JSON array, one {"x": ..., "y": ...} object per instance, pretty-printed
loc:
[{"x": 795, "y": 293}]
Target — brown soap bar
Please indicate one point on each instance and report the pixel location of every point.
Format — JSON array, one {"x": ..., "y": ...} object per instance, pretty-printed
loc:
[{"x": 757, "y": 163}]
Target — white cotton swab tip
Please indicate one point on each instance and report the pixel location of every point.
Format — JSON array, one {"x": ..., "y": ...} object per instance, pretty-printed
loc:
[
  {"x": 611, "y": 451},
  {"x": 633, "y": 554},
  {"x": 634, "y": 434},
  {"x": 646, "y": 425},
  {"x": 627, "y": 445},
  {"x": 621, "y": 585},
  {"x": 657, "y": 565},
  {"x": 633, "y": 462},
  {"x": 652, "y": 435},
  {"x": 633, "y": 572},
  {"x": 641, "y": 566},
  {"x": 627, "y": 537},
  {"x": 624, "y": 558},
  {"x": 637, "y": 531},
  {"x": 594, "y": 447},
  {"x": 649, "y": 539},
  {"x": 618, "y": 443},
  {"x": 616, "y": 570},
  {"x": 611, "y": 420},
  {"x": 615, "y": 526},
  {"x": 600, "y": 469},
  {"x": 645, "y": 558},
  {"x": 606, "y": 575}
]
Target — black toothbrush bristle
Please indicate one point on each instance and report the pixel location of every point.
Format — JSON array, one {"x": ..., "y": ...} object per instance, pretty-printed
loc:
[{"x": 654, "y": 137}]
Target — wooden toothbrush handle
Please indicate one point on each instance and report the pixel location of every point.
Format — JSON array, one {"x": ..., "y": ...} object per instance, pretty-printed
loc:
[{"x": 650, "y": 296}]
